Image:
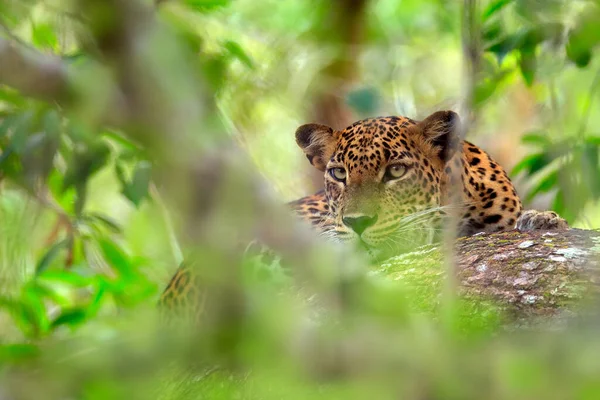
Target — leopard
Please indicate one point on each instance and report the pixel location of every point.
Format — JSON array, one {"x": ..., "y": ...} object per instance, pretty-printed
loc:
[{"x": 391, "y": 182}]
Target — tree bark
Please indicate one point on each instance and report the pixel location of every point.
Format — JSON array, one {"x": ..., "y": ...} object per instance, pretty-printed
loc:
[{"x": 531, "y": 276}]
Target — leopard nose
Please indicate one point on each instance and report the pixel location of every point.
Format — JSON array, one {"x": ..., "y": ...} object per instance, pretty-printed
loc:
[{"x": 359, "y": 223}]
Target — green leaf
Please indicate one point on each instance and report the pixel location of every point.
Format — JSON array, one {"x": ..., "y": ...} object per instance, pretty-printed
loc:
[
  {"x": 86, "y": 161},
  {"x": 115, "y": 256},
  {"x": 492, "y": 31},
  {"x": 96, "y": 302},
  {"x": 51, "y": 255},
  {"x": 528, "y": 64},
  {"x": 484, "y": 90},
  {"x": 69, "y": 278},
  {"x": 505, "y": 45},
  {"x": 538, "y": 138},
  {"x": 214, "y": 68},
  {"x": 33, "y": 312},
  {"x": 546, "y": 184},
  {"x": 536, "y": 162},
  {"x": 137, "y": 189},
  {"x": 236, "y": 50},
  {"x": 581, "y": 57},
  {"x": 81, "y": 198},
  {"x": 122, "y": 140},
  {"x": 584, "y": 38},
  {"x": 43, "y": 35},
  {"x": 525, "y": 40},
  {"x": 70, "y": 317},
  {"x": 106, "y": 221},
  {"x": 494, "y": 7},
  {"x": 531, "y": 163}
]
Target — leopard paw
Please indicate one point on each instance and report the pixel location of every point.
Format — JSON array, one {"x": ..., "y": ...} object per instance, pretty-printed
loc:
[{"x": 532, "y": 220}]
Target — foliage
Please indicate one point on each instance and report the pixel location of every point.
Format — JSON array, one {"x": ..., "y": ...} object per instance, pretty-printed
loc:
[
  {"x": 95, "y": 240},
  {"x": 545, "y": 30}
]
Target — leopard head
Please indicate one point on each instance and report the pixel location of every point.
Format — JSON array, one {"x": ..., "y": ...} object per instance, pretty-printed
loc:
[{"x": 384, "y": 177}]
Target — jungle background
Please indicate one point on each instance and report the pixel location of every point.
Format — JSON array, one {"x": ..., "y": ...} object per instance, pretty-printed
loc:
[{"x": 108, "y": 110}]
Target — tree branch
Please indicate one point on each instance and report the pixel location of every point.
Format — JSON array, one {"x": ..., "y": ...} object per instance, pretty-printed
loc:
[{"x": 32, "y": 73}]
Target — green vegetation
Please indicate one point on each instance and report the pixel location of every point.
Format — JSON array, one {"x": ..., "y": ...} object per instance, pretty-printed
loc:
[{"x": 118, "y": 120}]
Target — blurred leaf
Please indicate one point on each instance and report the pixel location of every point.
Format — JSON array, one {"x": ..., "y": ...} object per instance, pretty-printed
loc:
[
  {"x": 538, "y": 138},
  {"x": 237, "y": 51},
  {"x": 527, "y": 49},
  {"x": 64, "y": 198},
  {"x": 70, "y": 317},
  {"x": 535, "y": 162},
  {"x": 137, "y": 189},
  {"x": 66, "y": 277},
  {"x": 29, "y": 312},
  {"x": 487, "y": 87},
  {"x": 115, "y": 256},
  {"x": 492, "y": 30},
  {"x": 494, "y": 7},
  {"x": 584, "y": 37},
  {"x": 98, "y": 298},
  {"x": 505, "y": 45},
  {"x": 214, "y": 68},
  {"x": 531, "y": 163},
  {"x": 86, "y": 161},
  {"x": 105, "y": 221},
  {"x": 43, "y": 35},
  {"x": 81, "y": 198},
  {"x": 527, "y": 65},
  {"x": 122, "y": 141},
  {"x": 525, "y": 41},
  {"x": 546, "y": 184},
  {"x": 51, "y": 255}
]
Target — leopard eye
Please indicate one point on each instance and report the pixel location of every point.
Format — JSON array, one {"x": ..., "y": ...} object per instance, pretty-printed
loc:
[
  {"x": 339, "y": 174},
  {"x": 394, "y": 171}
]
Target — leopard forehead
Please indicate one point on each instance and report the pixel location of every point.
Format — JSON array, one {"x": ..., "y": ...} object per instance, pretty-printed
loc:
[{"x": 366, "y": 145}]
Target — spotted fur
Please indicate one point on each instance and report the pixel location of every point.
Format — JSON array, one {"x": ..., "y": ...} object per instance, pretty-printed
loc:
[
  {"x": 406, "y": 211},
  {"x": 398, "y": 175}
]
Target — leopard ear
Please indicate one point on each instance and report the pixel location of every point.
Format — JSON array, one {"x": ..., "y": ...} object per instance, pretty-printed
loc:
[
  {"x": 318, "y": 143},
  {"x": 441, "y": 129}
]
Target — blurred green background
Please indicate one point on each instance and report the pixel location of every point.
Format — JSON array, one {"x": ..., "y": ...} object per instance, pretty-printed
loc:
[{"x": 98, "y": 239}]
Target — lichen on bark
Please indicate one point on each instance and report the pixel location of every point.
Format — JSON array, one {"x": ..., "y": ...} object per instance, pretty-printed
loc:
[{"x": 526, "y": 275}]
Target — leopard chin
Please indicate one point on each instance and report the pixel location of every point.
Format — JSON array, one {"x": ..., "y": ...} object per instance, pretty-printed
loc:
[{"x": 382, "y": 248}]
